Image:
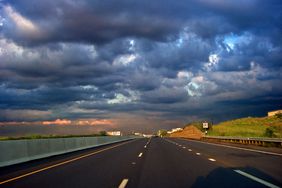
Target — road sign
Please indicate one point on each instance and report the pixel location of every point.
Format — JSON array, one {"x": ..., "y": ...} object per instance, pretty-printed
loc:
[{"x": 205, "y": 125}]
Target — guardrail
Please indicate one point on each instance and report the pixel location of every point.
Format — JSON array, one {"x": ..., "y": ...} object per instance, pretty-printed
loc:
[
  {"x": 275, "y": 142},
  {"x": 18, "y": 151}
]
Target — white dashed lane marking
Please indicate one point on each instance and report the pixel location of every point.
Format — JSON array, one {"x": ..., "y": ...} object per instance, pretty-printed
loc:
[
  {"x": 211, "y": 159},
  {"x": 123, "y": 183}
]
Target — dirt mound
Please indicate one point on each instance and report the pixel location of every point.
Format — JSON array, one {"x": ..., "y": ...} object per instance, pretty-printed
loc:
[{"x": 188, "y": 132}]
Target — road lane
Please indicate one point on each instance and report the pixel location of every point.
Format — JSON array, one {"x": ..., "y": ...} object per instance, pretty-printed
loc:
[
  {"x": 23, "y": 168},
  {"x": 167, "y": 165},
  {"x": 105, "y": 169},
  {"x": 162, "y": 163},
  {"x": 171, "y": 165},
  {"x": 266, "y": 166}
]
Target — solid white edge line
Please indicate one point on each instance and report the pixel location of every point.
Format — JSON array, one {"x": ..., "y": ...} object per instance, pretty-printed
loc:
[
  {"x": 256, "y": 179},
  {"x": 123, "y": 183},
  {"x": 234, "y": 147},
  {"x": 140, "y": 154}
]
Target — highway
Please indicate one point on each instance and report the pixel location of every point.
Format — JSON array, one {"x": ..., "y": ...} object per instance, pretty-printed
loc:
[{"x": 150, "y": 163}]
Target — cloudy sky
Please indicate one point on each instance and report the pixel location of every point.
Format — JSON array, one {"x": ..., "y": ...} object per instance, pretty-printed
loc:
[{"x": 82, "y": 66}]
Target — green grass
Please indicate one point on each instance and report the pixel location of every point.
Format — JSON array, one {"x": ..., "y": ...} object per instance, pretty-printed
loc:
[
  {"x": 35, "y": 136},
  {"x": 249, "y": 127}
]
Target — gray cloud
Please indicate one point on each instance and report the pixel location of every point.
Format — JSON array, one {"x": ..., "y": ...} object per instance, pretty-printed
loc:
[{"x": 176, "y": 61}]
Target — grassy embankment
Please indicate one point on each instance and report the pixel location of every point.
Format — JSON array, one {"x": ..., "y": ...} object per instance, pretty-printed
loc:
[{"x": 249, "y": 127}]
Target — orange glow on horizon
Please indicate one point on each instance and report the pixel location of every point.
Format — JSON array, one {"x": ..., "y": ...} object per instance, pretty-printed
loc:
[
  {"x": 95, "y": 122},
  {"x": 57, "y": 122}
]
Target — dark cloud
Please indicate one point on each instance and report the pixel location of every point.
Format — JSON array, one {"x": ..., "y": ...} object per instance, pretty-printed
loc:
[
  {"x": 88, "y": 22},
  {"x": 161, "y": 61},
  {"x": 100, "y": 22},
  {"x": 165, "y": 95}
]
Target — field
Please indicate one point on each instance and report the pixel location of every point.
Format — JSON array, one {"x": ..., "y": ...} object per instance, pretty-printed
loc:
[
  {"x": 249, "y": 127},
  {"x": 35, "y": 136}
]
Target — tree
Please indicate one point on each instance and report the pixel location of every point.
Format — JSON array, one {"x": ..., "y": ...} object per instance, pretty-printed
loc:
[
  {"x": 103, "y": 133},
  {"x": 162, "y": 132},
  {"x": 269, "y": 132},
  {"x": 279, "y": 115}
]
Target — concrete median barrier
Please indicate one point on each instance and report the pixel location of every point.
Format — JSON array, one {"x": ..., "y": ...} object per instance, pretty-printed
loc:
[{"x": 18, "y": 151}]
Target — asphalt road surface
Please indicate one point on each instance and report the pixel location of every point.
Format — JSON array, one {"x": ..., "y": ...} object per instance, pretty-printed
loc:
[{"x": 152, "y": 163}]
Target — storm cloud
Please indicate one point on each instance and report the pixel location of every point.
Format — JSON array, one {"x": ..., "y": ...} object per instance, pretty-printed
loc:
[{"x": 161, "y": 62}]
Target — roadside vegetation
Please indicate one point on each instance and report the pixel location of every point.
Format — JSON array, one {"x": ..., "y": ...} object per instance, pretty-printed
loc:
[
  {"x": 162, "y": 133},
  {"x": 250, "y": 127},
  {"x": 37, "y": 136},
  {"x": 197, "y": 124}
]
